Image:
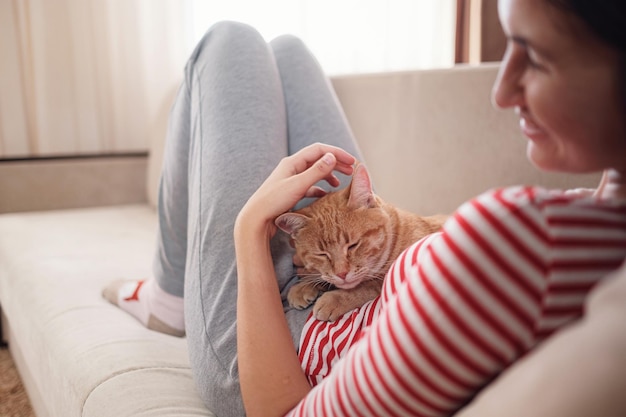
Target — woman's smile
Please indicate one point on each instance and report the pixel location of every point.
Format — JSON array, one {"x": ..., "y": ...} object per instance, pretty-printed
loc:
[{"x": 529, "y": 127}]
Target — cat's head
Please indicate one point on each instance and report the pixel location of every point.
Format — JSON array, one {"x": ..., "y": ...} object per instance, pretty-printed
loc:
[{"x": 345, "y": 235}]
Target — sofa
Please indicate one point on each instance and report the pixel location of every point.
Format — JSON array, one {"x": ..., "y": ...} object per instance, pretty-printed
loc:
[{"x": 430, "y": 138}]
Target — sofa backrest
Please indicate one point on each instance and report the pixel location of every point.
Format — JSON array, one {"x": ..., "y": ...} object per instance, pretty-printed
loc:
[{"x": 430, "y": 138}]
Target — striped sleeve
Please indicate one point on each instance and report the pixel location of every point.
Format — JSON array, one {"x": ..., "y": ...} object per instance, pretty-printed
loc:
[{"x": 457, "y": 309}]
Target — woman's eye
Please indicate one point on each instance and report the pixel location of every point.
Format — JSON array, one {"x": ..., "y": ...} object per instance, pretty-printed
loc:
[
  {"x": 533, "y": 60},
  {"x": 532, "y": 63}
]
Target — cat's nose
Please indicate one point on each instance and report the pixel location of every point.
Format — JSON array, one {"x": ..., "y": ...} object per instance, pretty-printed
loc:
[{"x": 342, "y": 275}]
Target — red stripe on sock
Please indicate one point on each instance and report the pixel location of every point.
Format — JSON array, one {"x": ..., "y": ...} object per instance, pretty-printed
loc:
[{"x": 135, "y": 295}]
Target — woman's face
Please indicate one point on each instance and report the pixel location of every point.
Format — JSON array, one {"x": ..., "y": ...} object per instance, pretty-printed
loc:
[{"x": 565, "y": 85}]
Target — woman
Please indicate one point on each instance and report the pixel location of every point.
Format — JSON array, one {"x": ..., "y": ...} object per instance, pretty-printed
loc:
[
  {"x": 566, "y": 84},
  {"x": 509, "y": 258}
]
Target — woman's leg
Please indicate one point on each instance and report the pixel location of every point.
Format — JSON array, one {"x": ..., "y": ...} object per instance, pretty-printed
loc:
[
  {"x": 314, "y": 113},
  {"x": 313, "y": 110},
  {"x": 238, "y": 135}
]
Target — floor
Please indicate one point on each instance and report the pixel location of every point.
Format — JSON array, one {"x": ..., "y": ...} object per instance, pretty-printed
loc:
[{"x": 15, "y": 401}]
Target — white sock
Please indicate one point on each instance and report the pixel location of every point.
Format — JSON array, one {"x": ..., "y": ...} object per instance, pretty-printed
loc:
[{"x": 148, "y": 303}]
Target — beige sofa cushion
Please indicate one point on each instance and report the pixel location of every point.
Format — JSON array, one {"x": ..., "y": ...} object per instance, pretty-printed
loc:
[{"x": 80, "y": 351}]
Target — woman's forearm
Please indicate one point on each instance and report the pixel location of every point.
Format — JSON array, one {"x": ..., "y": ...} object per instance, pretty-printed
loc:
[{"x": 272, "y": 381}]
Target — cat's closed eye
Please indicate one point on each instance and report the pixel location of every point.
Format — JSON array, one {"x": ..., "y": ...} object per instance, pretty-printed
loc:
[{"x": 323, "y": 255}]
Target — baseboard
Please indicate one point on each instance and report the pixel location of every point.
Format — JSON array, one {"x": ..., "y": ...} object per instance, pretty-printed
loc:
[{"x": 49, "y": 184}]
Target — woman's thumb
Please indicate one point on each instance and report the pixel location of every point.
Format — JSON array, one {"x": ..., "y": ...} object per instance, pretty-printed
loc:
[
  {"x": 318, "y": 171},
  {"x": 324, "y": 165},
  {"x": 327, "y": 162}
]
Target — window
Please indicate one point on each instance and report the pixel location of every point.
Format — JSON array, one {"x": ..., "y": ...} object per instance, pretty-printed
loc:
[
  {"x": 348, "y": 36},
  {"x": 93, "y": 76}
]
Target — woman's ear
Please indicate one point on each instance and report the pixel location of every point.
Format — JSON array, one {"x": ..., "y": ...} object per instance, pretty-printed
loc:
[
  {"x": 361, "y": 193},
  {"x": 291, "y": 222}
]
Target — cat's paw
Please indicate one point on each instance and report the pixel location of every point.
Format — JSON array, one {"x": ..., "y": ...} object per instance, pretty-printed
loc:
[
  {"x": 331, "y": 306},
  {"x": 302, "y": 295}
]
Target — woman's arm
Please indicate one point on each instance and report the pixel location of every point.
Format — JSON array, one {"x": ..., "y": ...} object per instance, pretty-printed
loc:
[{"x": 271, "y": 379}]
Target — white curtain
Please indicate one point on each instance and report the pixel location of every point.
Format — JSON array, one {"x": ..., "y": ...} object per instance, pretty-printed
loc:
[
  {"x": 97, "y": 76},
  {"x": 87, "y": 76},
  {"x": 349, "y": 36}
]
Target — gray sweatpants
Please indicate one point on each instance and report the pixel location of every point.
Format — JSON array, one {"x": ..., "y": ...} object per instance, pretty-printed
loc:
[{"x": 243, "y": 106}]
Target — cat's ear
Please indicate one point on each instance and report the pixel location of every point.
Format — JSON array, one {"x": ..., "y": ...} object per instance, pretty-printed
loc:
[
  {"x": 290, "y": 222},
  {"x": 361, "y": 193}
]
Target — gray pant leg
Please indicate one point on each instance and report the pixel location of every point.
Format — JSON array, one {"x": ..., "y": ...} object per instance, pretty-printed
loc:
[
  {"x": 171, "y": 252},
  {"x": 313, "y": 110},
  {"x": 238, "y": 135}
]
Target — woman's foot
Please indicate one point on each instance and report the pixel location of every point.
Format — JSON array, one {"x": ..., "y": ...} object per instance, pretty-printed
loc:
[{"x": 153, "y": 307}]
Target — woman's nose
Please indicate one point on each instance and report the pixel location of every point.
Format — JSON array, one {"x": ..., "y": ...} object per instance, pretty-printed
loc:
[{"x": 508, "y": 90}]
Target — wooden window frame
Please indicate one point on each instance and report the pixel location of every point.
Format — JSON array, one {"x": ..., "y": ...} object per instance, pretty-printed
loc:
[{"x": 479, "y": 36}]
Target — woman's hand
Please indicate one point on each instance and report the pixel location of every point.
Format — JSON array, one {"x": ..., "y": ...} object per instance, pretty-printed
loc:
[
  {"x": 293, "y": 179},
  {"x": 612, "y": 186}
]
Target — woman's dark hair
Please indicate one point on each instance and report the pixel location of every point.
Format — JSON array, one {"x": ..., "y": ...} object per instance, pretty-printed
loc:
[{"x": 607, "y": 20}]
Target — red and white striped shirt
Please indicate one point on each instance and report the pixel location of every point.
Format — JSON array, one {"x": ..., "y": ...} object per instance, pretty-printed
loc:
[{"x": 458, "y": 307}]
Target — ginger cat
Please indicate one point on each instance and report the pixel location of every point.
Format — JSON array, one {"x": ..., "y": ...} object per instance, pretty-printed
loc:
[{"x": 347, "y": 240}]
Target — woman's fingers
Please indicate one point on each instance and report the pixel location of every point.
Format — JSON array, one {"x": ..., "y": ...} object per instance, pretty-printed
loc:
[
  {"x": 308, "y": 156},
  {"x": 318, "y": 162},
  {"x": 322, "y": 169},
  {"x": 297, "y": 174}
]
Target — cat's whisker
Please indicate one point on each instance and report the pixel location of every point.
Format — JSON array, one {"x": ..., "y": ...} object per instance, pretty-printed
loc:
[
  {"x": 325, "y": 284},
  {"x": 315, "y": 280}
]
